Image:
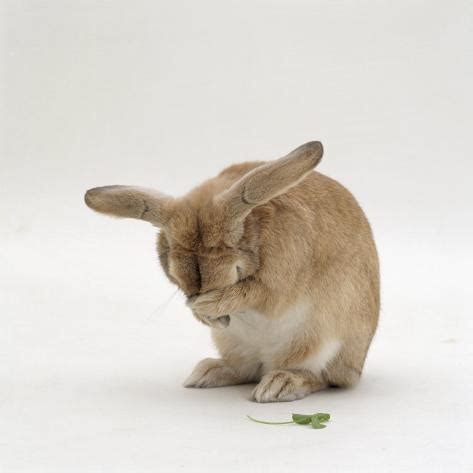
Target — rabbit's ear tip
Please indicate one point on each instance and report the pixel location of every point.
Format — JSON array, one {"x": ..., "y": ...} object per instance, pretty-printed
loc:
[
  {"x": 315, "y": 146},
  {"x": 89, "y": 197},
  {"x": 312, "y": 149},
  {"x": 92, "y": 196}
]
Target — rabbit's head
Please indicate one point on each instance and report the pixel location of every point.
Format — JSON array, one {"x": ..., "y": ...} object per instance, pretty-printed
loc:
[{"x": 209, "y": 239}]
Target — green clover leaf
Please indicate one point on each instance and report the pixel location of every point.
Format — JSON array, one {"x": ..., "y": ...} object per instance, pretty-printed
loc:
[{"x": 317, "y": 420}]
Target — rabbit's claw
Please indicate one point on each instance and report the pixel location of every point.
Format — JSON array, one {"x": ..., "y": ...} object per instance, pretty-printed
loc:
[{"x": 216, "y": 322}]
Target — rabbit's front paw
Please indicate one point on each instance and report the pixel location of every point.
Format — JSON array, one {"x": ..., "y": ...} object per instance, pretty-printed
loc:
[
  {"x": 211, "y": 373},
  {"x": 206, "y": 308},
  {"x": 281, "y": 385},
  {"x": 208, "y": 303}
]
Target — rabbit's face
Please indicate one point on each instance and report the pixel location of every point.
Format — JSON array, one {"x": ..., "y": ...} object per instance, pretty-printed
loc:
[
  {"x": 210, "y": 238},
  {"x": 200, "y": 257}
]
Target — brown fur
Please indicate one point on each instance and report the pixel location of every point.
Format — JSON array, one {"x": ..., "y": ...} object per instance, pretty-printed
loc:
[{"x": 254, "y": 242}]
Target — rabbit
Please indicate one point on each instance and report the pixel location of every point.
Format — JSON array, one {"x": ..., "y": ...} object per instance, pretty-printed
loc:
[{"x": 279, "y": 260}]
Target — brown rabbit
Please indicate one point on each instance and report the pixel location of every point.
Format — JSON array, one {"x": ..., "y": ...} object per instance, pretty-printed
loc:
[{"x": 279, "y": 260}]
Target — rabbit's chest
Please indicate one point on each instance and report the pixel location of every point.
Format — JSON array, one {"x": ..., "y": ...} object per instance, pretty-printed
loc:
[{"x": 263, "y": 339}]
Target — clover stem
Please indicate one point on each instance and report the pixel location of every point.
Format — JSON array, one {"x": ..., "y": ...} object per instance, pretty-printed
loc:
[{"x": 271, "y": 423}]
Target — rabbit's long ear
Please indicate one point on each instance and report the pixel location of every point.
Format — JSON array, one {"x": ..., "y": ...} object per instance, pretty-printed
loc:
[
  {"x": 132, "y": 202},
  {"x": 271, "y": 179}
]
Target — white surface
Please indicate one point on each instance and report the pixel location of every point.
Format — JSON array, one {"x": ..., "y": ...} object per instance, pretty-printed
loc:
[{"x": 166, "y": 94}]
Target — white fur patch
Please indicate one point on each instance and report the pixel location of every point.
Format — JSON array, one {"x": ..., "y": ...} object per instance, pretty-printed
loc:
[
  {"x": 263, "y": 340},
  {"x": 317, "y": 362}
]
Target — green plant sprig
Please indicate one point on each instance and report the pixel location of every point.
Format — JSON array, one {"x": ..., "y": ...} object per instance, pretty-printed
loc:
[{"x": 317, "y": 420}]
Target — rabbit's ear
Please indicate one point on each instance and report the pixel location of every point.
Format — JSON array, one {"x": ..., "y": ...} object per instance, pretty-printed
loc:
[
  {"x": 131, "y": 202},
  {"x": 271, "y": 179}
]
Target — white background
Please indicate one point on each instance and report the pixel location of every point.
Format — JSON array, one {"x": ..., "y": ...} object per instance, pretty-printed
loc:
[{"x": 94, "y": 342}]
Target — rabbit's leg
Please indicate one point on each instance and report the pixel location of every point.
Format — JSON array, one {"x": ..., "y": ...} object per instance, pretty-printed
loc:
[
  {"x": 287, "y": 385},
  {"x": 212, "y": 373},
  {"x": 345, "y": 370}
]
